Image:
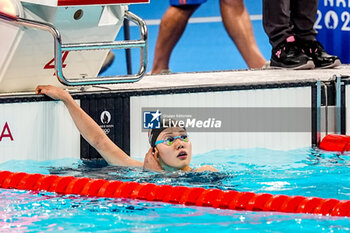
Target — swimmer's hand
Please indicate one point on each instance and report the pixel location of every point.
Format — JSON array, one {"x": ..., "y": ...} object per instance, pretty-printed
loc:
[
  {"x": 151, "y": 160},
  {"x": 206, "y": 168},
  {"x": 53, "y": 92}
]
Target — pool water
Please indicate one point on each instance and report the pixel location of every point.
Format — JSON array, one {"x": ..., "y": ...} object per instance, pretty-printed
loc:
[{"x": 298, "y": 172}]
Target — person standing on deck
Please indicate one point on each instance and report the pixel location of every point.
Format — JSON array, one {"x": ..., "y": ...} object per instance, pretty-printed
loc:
[
  {"x": 236, "y": 21},
  {"x": 289, "y": 26}
]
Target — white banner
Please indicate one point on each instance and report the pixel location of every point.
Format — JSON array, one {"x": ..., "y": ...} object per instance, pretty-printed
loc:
[
  {"x": 204, "y": 142},
  {"x": 38, "y": 131}
]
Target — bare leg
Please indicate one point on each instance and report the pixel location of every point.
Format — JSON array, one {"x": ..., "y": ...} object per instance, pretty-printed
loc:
[
  {"x": 237, "y": 23},
  {"x": 171, "y": 28}
]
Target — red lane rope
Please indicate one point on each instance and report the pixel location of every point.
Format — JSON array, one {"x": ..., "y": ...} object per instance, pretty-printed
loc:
[
  {"x": 335, "y": 142},
  {"x": 174, "y": 194}
]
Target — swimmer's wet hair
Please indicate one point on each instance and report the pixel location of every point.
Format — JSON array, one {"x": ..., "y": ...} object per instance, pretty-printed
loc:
[{"x": 154, "y": 133}]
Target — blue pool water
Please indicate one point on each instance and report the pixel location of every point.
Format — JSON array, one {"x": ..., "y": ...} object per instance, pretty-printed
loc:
[{"x": 298, "y": 172}]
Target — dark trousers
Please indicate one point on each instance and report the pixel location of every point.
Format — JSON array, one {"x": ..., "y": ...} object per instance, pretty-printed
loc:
[{"x": 283, "y": 18}]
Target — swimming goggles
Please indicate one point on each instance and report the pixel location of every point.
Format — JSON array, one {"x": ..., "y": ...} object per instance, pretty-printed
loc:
[{"x": 170, "y": 140}]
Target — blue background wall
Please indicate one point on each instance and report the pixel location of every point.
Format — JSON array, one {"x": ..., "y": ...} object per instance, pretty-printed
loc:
[{"x": 203, "y": 47}]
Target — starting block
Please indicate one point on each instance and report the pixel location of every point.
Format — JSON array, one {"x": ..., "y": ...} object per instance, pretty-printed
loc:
[{"x": 63, "y": 42}]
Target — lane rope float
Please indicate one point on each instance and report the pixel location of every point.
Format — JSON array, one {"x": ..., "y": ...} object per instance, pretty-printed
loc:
[
  {"x": 174, "y": 194},
  {"x": 335, "y": 142}
]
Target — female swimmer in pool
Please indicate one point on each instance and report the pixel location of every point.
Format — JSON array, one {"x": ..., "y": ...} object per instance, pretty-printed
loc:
[{"x": 170, "y": 149}]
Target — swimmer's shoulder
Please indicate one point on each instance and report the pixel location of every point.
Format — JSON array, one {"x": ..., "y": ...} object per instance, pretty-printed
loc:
[{"x": 205, "y": 168}]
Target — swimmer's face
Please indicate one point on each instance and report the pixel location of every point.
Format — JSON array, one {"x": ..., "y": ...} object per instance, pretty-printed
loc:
[{"x": 177, "y": 155}]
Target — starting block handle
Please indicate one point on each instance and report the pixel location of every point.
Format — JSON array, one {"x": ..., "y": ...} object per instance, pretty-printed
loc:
[{"x": 59, "y": 47}]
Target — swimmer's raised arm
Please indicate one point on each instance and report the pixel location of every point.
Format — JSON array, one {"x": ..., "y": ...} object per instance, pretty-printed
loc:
[{"x": 89, "y": 129}]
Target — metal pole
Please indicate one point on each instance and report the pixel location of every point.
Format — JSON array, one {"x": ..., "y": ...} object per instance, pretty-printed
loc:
[
  {"x": 338, "y": 104},
  {"x": 318, "y": 111},
  {"x": 127, "y": 51}
]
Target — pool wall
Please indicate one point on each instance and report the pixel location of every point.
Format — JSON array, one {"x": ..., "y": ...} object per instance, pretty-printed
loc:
[
  {"x": 36, "y": 127},
  {"x": 38, "y": 130},
  {"x": 250, "y": 103}
]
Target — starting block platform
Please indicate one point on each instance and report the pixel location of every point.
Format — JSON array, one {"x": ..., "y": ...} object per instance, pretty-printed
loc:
[{"x": 63, "y": 42}]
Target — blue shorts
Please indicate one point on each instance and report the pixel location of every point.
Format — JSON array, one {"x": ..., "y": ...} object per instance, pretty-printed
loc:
[{"x": 186, "y": 2}]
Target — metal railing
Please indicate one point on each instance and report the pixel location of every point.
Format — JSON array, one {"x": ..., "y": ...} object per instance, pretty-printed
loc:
[{"x": 59, "y": 47}]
